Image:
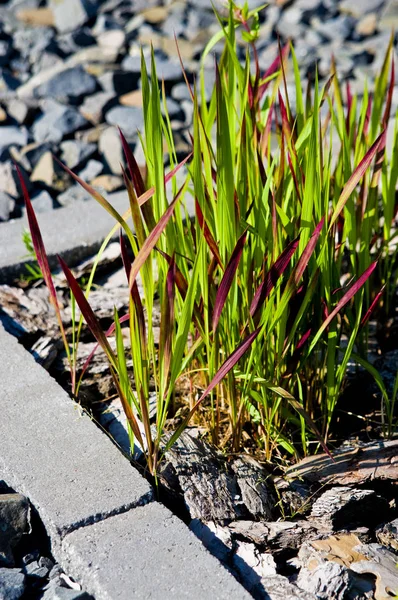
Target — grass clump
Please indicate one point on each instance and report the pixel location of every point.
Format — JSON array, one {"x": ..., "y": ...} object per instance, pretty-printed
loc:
[{"x": 266, "y": 293}]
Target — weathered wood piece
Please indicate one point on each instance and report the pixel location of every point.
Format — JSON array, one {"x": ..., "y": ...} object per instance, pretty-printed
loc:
[
  {"x": 27, "y": 311},
  {"x": 383, "y": 565},
  {"x": 211, "y": 488},
  {"x": 326, "y": 568},
  {"x": 329, "y": 581},
  {"x": 387, "y": 535},
  {"x": 345, "y": 507},
  {"x": 278, "y": 535},
  {"x": 280, "y": 588},
  {"x": 352, "y": 466}
]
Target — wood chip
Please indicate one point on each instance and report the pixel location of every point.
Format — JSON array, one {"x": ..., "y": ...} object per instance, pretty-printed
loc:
[{"x": 352, "y": 466}]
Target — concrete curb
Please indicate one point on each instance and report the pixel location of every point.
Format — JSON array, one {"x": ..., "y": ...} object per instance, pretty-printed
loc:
[
  {"x": 75, "y": 232},
  {"x": 105, "y": 528}
]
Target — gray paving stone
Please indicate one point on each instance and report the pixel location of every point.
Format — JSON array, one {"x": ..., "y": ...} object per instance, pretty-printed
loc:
[
  {"x": 146, "y": 553},
  {"x": 74, "y": 232},
  {"x": 54, "y": 454}
]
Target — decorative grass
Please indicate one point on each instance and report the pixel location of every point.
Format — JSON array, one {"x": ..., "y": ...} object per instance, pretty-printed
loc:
[{"x": 266, "y": 293}]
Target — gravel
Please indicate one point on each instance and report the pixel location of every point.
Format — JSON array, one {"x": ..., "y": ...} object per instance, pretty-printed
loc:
[{"x": 70, "y": 68}]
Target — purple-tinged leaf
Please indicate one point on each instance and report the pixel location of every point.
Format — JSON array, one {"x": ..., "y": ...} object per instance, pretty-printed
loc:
[
  {"x": 149, "y": 193},
  {"x": 343, "y": 301},
  {"x": 87, "y": 311},
  {"x": 136, "y": 177},
  {"x": 303, "y": 339},
  {"x": 228, "y": 365},
  {"x": 368, "y": 116},
  {"x": 273, "y": 69},
  {"x": 94, "y": 350},
  {"x": 371, "y": 308},
  {"x": 307, "y": 253},
  {"x": 207, "y": 234},
  {"x": 183, "y": 70},
  {"x": 227, "y": 280},
  {"x": 349, "y": 107},
  {"x": 152, "y": 240},
  {"x": 42, "y": 260},
  {"x": 277, "y": 269},
  {"x": 132, "y": 164},
  {"x": 134, "y": 208}
]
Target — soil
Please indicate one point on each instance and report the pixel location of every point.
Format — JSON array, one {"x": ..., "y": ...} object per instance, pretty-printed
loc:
[{"x": 321, "y": 528}]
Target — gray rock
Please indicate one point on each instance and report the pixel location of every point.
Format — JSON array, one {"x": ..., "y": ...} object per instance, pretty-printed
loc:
[
  {"x": 387, "y": 534},
  {"x": 91, "y": 170},
  {"x": 9, "y": 181},
  {"x": 180, "y": 92},
  {"x": 31, "y": 42},
  {"x": 173, "y": 108},
  {"x": 7, "y": 205},
  {"x": 94, "y": 106},
  {"x": 57, "y": 122},
  {"x": 111, "y": 149},
  {"x": 36, "y": 570},
  {"x": 8, "y": 83},
  {"x": 12, "y": 584},
  {"x": 46, "y": 61},
  {"x": 33, "y": 153},
  {"x": 14, "y": 519},
  {"x": 71, "y": 14},
  {"x": 119, "y": 82},
  {"x": 69, "y": 84},
  {"x": 129, "y": 119},
  {"x": 63, "y": 593},
  {"x": 12, "y": 136},
  {"x": 74, "y": 153},
  {"x": 42, "y": 202},
  {"x": 105, "y": 23},
  {"x": 18, "y": 110},
  {"x": 336, "y": 30},
  {"x": 74, "y": 194},
  {"x": 278, "y": 587},
  {"x": 167, "y": 69},
  {"x": 357, "y": 9}
]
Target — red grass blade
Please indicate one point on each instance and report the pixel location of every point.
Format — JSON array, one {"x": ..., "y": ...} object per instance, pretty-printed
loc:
[
  {"x": 372, "y": 307},
  {"x": 272, "y": 69},
  {"x": 277, "y": 269},
  {"x": 94, "y": 350},
  {"x": 152, "y": 240},
  {"x": 149, "y": 193},
  {"x": 227, "y": 279},
  {"x": 42, "y": 259},
  {"x": 306, "y": 255},
  {"x": 87, "y": 311},
  {"x": 37, "y": 240},
  {"x": 207, "y": 234},
  {"x": 134, "y": 169},
  {"x": 343, "y": 301}
]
